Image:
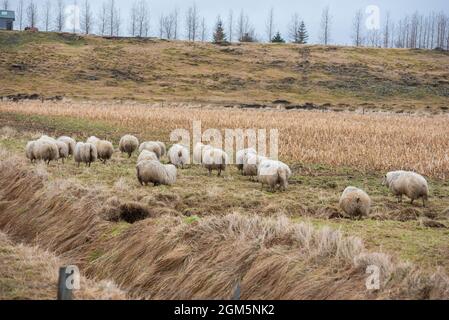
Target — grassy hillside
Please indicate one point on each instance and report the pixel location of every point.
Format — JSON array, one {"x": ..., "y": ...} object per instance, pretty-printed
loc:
[{"x": 50, "y": 64}]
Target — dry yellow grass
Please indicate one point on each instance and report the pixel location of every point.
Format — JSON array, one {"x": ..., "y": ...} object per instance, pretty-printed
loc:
[{"x": 365, "y": 142}]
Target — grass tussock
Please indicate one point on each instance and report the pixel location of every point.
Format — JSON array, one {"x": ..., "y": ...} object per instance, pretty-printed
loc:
[
  {"x": 167, "y": 257},
  {"x": 28, "y": 272}
]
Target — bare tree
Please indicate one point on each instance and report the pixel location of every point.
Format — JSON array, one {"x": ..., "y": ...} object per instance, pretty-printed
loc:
[
  {"x": 20, "y": 9},
  {"x": 117, "y": 22},
  {"x": 230, "y": 24},
  {"x": 357, "y": 24},
  {"x": 167, "y": 25},
  {"x": 111, "y": 18},
  {"x": 5, "y": 4},
  {"x": 102, "y": 19},
  {"x": 293, "y": 28},
  {"x": 161, "y": 26},
  {"x": 270, "y": 25},
  {"x": 133, "y": 20},
  {"x": 60, "y": 16},
  {"x": 32, "y": 14},
  {"x": 86, "y": 18},
  {"x": 46, "y": 12},
  {"x": 387, "y": 31},
  {"x": 203, "y": 27},
  {"x": 192, "y": 23},
  {"x": 245, "y": 31},
  {"x": 175, "y": 17},
  {"x": 143, "y": 19},
  {"x": 326, "y": 22}
]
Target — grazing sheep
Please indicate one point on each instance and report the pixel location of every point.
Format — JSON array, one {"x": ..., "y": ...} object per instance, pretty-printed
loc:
[
  {"x": 29, "y": 151},
  {"x": 128, "y": 144},
  {"x": 152, "y": 171},
  {"x": 273, "y": 173},
  {"x": 63, "y": 150},
  {"x": 46, "y": 149},
  {"x": 105, "y": 149},
  {"x": 85, "y": 152},
  {"x": 198, "y": 151},
  {"x": 93, "y": 140},
  {"x": 147, "y": 155},
  {"x": 71, "y": 143},
  {"x": 214, "y": 159},
  {"x": 355, "y": 202},
  {"x": 241, "y": 155},
  {"x": 251, "y": 163},
  {"x": 163, "y": 148},
  {"x": 151, "y": 146},
  {"x": 178, "y": 155},
  {"x": 411, "y": 184}
]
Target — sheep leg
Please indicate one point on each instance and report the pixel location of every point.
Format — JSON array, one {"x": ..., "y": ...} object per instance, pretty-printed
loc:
[
  {"x": 423, "y": 202},
  {"x": 219, "y": 173},
  {"x": 210, "y": 172},
  {"x": 411, "y": 202}
]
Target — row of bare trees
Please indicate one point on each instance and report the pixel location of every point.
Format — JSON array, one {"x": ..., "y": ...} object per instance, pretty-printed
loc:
[
  {"x": 412, "y": 31},
  {"x": 415, "y": 31}
]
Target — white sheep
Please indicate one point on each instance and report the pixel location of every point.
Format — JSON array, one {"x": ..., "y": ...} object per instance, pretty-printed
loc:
[
  {"x": 251, "y": 164},
  {"x": 355, "y": 202},
  {"x": 152, "y": 171},
  {"x": 63, "y": 150},
  {"x": 163, "y": 148},
  {"x": 147, "y": 155},
  {"x": 71, "y": 143},
  {"x": 178, "y": 155},
  {"x": 29, "y": 151},
  {"x": 105, "y": 149},
  {"x": 46, "y": 149},
  {"x": 93, "y": 140},
  {"x": 241, "y": 155},
  {"x": 214, "y": 159},
  {"x": 85, "y": 152},
  {"x": 152, "y": 146},
  {"x": 198, "y": 151},
  {"x": 128, "y": 144},
  {"x": 273, "y": 173},
  {"x": 411, "y": 184}
]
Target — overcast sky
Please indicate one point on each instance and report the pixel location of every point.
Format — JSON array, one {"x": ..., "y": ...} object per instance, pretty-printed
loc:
[{"x": 342, "y": 12}]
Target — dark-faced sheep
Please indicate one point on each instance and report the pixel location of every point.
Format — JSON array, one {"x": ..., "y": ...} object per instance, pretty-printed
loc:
[
  {"x": 241, "y": 155},
  {"x": 105, "y": 149},
  {"x": 151, "y": 146}
]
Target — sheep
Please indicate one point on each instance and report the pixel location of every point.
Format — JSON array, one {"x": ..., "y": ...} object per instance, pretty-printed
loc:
[
  {"x": 178, "y": 155},
  {"x": 93, "y": 140},
  {"x": 251, "y": 163},
  {"x": 46, "y": 149},
  {"x": 29, "y": 151},
  {"x": 273, "y": 173},
  {"x": 151, "y": 146},
  {"x": 240, "y": 156},
  {"x": 105, "y": 149},
  {"x": 198, "y": 151},
  {"x": 152, "y": 171},
  {"x": 355, "y": 202},
  {"x": 411, "y": 184},
  {"x": 214, "y": 159},
  {"x": 63, "y": 150},
  {"x": 163, "y": 148},
  {"x": 128, "y": 144},
  {"x": 85, "y": 152},
  {"x": 71, "y": 143},
  {"x": 147, "y": 155}
]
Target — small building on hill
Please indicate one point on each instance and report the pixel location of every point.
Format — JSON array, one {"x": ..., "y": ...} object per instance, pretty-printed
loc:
[{"x": 7, "y": 19}]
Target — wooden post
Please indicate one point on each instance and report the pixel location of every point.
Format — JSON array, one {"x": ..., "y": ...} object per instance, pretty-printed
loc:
[
  {"x": 237, "y": 292},
  {"x": 64, "y": 293}
]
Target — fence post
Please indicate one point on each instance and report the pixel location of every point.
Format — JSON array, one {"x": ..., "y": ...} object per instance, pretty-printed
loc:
[
  {"x": 64, "y": 293},
  {"x": 237, "y": 292}
]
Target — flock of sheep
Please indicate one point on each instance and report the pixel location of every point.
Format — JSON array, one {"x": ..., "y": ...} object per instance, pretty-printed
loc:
[{"x": 275, "y": 174}]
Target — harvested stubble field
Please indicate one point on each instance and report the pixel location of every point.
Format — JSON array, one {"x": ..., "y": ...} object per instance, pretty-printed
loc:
[{"x": 204, "y": 221}]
